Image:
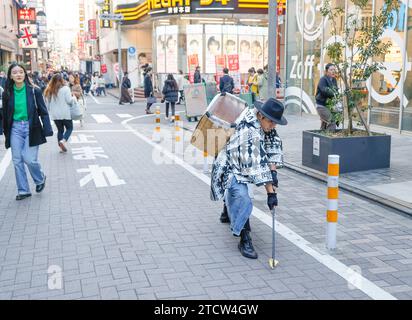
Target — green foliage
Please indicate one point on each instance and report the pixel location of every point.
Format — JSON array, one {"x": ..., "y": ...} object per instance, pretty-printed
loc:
[{"x": 358, "y": 57}]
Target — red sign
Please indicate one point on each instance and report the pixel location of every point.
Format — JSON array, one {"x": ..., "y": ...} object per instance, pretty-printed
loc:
[
  {"x": 103, "y": 68},
  {"x": 220, "y": 65},
  {"x": 92, "y": 29},
  {"x": 193, "y": 62},
  {"x": 233, "y": 62},
  {"x": 28, "y": 14}
]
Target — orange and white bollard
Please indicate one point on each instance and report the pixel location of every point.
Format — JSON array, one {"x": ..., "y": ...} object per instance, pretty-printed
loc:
[
  {"x": 333, "y": 193},
  {"x": 178, "y": 135},
  {"x": 156, "y": 136},
  {"x": 205, "y": 162}
]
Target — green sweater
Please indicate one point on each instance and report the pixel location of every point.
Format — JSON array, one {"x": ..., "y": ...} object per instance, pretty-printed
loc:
[{"x": 20, "y": 104}]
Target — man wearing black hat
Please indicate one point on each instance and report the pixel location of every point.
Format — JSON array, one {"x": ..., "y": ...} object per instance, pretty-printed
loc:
[{"x": 251, "y": 156}]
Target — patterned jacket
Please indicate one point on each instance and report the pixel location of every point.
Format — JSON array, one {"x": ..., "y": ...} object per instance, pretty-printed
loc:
[{"x": 247, "y": 156}]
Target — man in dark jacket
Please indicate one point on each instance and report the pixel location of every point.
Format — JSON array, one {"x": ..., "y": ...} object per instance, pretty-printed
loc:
[
  {"x": 148, "y": 89},
  {"x": 327, "y": 87},
  {"x": 3, "y": 79},
  {"x": 197, "y": 76},
  {"x": 226, "y": 82}
]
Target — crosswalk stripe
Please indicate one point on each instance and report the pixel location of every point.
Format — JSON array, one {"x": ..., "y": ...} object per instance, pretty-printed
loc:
[
  {"x": 124, "y": 115},
  {"x": 101, "y": 118}
]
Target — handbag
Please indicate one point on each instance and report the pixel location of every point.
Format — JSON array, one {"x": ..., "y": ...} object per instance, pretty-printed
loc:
[
  {"x": 75, "y": 111},
  {"x": 151, "y": 99}
]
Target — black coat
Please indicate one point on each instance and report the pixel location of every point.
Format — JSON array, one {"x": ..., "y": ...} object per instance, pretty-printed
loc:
[
  {"x": 325, "y": 90},
  {"x": 148, "y": 86},
  {"x": 226, "y": 84},
  {"x": 126, "y": 83},
  {"x": 197, "y": 77},
  {"x": 170, "y": 92},
  {"x": 37, "y": 132}
]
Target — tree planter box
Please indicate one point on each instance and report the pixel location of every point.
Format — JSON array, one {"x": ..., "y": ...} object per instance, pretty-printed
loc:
[{"x": 356, "y": 153}]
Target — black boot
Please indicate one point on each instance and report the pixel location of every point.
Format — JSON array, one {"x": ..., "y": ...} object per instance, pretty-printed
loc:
[
  {"x": 246, "y": 246},
  {"x": 224, "y": 217}
]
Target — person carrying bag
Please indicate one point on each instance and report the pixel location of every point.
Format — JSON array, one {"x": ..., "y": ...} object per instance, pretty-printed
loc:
[{"x": 26, "y": 125}]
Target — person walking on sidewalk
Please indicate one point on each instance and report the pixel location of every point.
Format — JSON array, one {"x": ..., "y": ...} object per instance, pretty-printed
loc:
[
  {"x": 170, "y": 95},
  {"x": 262, "y": 81},
  {"x": 59, "y": 101},
  {"x": 77, "y": 92},
  {"x": 327, "y": 87},
  {"x": 26, "y": 125},
  {"x": 148, "y": 89},
  {"x": 226, "y": 83},
  {"x": 251, "y": 156},
  {"x": 197, "y": 77},
  {"x": 126, "y": 85}
]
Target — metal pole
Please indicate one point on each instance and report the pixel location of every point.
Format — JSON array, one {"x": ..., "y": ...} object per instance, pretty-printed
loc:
[
  {"x": 119, "y": 48},
  {"x": 273, "y": 37}
]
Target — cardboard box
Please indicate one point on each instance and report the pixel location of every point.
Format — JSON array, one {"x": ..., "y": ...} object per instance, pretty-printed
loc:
[{"x": 209, "y": 138}]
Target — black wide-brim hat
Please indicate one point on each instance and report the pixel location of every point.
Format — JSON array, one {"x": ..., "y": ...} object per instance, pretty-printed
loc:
[{"x": 272, "y": 109}]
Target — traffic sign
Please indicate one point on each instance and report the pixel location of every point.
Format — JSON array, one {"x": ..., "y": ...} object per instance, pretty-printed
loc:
[
  {"x": 132, "y": 51},
  {"x": 111, "y": 16}
]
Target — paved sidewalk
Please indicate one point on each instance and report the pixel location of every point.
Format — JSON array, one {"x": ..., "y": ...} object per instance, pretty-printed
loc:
[{"x": 158, "y": 236}]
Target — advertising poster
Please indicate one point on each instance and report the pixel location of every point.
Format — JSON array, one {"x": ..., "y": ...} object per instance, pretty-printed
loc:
[
  {"x": 257, "y": 52},
  {"x": 229, "y": 39},
  {"x": 220, "y": 61},
  {"x": 245, "y": 61},
  {"x": 213, "y": 46},
  {"x": 265, "y": 51},
  {"x": 195, "y": 43},
  {"x": 171, "y": 48},
  {"x": 233, "y": 62},
  {"x": 160, "y": 50},
  {"x": 192, "y": 63}
]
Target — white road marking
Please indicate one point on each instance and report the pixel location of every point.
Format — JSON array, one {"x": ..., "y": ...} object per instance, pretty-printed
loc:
[
  {"x": 352, "y": 277},
  {"x": 4, "y": 164},
  {"x": 95, "y": 100},
  {"x": 101, "y": 118},
  {"x": 124, "y": 116}
]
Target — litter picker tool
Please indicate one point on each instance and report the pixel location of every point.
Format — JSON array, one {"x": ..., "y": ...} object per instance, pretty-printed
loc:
[{"x": 272, "y": 261}]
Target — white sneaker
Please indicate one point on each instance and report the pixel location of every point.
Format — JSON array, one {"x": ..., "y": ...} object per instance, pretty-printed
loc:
[
  {"x": 62, "y": 145},
  {"x": 166, "y": 118}
]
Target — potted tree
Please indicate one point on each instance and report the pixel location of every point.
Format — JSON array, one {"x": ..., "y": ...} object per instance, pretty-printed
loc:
[{"x": 355, "y": 51}]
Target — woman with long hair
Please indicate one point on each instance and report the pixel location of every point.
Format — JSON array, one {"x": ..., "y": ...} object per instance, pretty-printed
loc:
[
  {"x": 59, "y": 100},
  {"x": 170, "y": 95},
  {"x": 26, "y": 125},
  {"x": 148, "y": 89},
  {"x": 77, "y": 92}
]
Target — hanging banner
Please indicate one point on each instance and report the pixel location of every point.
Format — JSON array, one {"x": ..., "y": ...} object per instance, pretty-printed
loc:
[
  {"x": 233, "y": 62},
  {"x": 220, "y": 65},
  {"x": 92, "y": 29},
  {"x": 195, "y": 42},
  {"x": 192, "y": 63}
]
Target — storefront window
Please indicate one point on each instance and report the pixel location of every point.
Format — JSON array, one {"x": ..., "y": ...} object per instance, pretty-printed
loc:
[
  {"x": 387, "y": 84},
  {"x": 407, "y": 111}
]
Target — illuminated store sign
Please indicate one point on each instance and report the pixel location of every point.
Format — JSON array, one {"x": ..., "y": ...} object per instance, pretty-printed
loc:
[{"x": 136, "y": 11}]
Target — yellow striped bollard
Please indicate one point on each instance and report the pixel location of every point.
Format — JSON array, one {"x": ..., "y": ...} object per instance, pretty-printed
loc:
[
  {"x": 156, "y": 136},
  {"x": 333, "y": 192},
  {"x": 178, "y": 135},
  {"x": 205, "y": 162}
]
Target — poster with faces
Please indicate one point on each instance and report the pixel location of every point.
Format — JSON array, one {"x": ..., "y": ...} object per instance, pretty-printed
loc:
[
  {"x": 230, "y": 40},
  {"x": 256, "y": 50},
  {"x": 213, "y": 46},
  {"x": 160, "y": 49},
  {"x": 245, "y": 58},
  {"x": 265, "y": 51},
  {"x": 195, "y": 43},
  {"x": 171, "y": 49}
]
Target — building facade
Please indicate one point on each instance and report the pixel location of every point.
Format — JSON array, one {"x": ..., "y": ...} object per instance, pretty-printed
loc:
[
  {"x": 389, "y": 91},
  {"x": 9, "y": 46}
]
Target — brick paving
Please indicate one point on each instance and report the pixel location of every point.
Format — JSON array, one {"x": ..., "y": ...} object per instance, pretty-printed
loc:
[{"x": 158, "y": 236}]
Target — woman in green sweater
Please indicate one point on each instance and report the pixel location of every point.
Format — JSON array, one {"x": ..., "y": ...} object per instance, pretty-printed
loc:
[{"x": 26, "y": 125}]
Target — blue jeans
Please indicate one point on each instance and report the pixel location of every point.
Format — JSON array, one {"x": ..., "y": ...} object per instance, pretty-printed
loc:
[
  {"x": 61, "y": 125},
  {"x": 22, "y": 154},
  {"x": 239, "y": 206}
]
